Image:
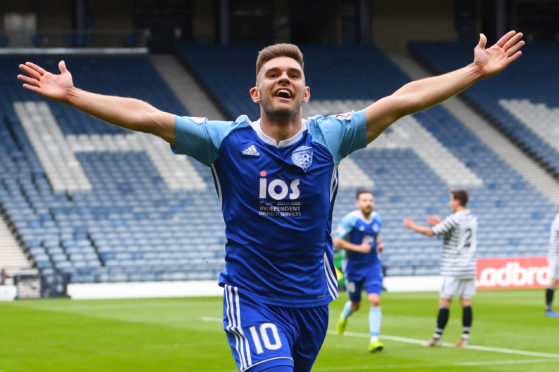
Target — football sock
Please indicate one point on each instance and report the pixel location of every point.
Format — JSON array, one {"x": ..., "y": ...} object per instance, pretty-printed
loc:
[
  {"x": 467, "y": 319},
  {"x": 375, "y": 318},
  {"x": 346, "y": 312},
  {"x": 442, "y": 319},
  {"x": 549, "y": 298}
]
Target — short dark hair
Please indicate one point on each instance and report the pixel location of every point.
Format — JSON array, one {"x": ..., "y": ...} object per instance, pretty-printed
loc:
[
  {"x": 362, "y": 191},
  {"x": 279, "y": 50},
  {"x": 460, "y": 195}
]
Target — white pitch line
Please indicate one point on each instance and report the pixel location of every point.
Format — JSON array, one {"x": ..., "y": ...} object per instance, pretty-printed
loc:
[
  {"x": 434, "y": 365},
  {"x": 503, "y": 362},
  {"x": 475, "y": 347},
  {"x": 209, "y": 319},
  {"x": 419, "y": 342}
]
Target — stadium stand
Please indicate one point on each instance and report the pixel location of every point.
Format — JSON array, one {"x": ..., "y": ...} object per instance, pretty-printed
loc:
[
  {"x": 518, "y": 101},
  {"x": 120, "y": 213},
  {"x": 96, "y": 202}
]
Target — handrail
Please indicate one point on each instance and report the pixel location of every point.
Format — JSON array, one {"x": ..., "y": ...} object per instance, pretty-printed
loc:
[{"x": 75, "y": 38}]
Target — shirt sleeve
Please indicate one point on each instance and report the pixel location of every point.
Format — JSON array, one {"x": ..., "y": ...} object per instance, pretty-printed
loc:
[
  {"x": 200, "y": 138},
  {"x": 445, "y": 226},
  {"x": 340, "y": 134},
  {"x": 379, "y": 220},
  {"x": 345, "y": 227}
]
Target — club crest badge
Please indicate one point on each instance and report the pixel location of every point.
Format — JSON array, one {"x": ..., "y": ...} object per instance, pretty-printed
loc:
[{"x": 302, "y": 157}]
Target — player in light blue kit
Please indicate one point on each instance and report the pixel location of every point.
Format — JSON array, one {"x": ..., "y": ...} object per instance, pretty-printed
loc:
[
  {"x": 359, "y": 235},
  {"x": 276, "y": 179}
]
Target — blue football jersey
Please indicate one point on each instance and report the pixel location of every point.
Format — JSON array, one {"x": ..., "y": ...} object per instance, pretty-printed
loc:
[
  {"x": 355, "y": 229},
  {"x": 277, "y": 201}
]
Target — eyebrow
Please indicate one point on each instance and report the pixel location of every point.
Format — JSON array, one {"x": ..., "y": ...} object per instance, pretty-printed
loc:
[{"x": 289, "y": 69}]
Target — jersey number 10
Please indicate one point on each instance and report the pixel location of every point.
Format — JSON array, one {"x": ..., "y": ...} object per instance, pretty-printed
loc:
[{"x": 262, "y": 336}]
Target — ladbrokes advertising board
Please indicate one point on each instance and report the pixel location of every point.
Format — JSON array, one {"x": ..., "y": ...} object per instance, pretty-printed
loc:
[{"x": 509, "y": 273}]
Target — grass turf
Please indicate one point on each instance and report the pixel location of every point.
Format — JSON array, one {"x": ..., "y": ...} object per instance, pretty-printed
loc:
[{"x": 185, "y": 334}]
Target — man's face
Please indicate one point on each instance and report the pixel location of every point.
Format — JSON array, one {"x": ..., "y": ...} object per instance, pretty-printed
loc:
[
  {"x": 365, "y": 203},
  {"x": 280, "y": 87}
]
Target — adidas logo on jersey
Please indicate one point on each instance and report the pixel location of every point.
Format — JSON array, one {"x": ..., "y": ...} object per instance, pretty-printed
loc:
[{"x": 251, "y": 151}]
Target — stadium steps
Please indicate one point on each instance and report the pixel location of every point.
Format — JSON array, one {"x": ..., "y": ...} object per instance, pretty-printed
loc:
[
  {"x": 189, "y": 92},
  {"x": 513, "y": 156},
  {"x": 12, "y": 259}
]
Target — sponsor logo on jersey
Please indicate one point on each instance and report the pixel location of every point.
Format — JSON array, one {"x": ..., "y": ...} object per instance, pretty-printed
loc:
[
  {"x": 250, "y": 151},
  {"x": 197, "y": 120},
  {"x": 368, "y": 239},
  {"x": 279, "y": 198},
  {"x": 345, "y": 116},
  {"x": 302, "y": 157},
  {"x": 278, "y": 189}
]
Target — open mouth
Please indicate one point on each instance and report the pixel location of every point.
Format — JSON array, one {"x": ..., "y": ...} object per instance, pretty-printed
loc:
[{"x": 284, "y": 93}]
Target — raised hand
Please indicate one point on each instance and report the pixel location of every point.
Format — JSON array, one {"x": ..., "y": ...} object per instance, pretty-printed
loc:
[
  {"x": 408, "y": 223},
  {"x": 492, "y": 60},
  {"x": 433, "y": 220},
  {"x": 49, "y": 85}
]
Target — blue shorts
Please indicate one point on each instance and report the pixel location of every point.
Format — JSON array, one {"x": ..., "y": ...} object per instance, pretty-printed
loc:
[
  {"x": 263, "y": 336},
  {"x": 371, "y": 281}
]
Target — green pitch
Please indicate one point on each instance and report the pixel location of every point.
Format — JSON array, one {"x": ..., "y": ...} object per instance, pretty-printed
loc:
[{"x": 510, "y": 333}]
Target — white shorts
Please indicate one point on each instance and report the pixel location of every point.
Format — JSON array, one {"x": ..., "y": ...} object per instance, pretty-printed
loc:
[
  {"x": 553, "y": 268},
  {"x": 463, "y": 288}
]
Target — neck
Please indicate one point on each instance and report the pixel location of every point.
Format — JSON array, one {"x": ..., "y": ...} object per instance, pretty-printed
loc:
[
  {"x": 460, "y": 208},
  {"x": 280, "y": 127},
  {"x": 367, "y": 216}
]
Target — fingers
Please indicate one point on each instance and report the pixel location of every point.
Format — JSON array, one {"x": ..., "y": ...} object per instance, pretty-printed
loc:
[
  {"x": 62, "y": 66},
  {"x": 482, "y": 41},
  {"x": 505, "y": 38},
  {"x": 514, "y": 57},
  {"x": 28, "y": 80},
  {"x": 35, "y": 67},
  {"x": 515, "y": 48},
  {"x": 32, "y": 88},
  {"x": 513, "y": 42},
  {"x": 30, "y": 71}
]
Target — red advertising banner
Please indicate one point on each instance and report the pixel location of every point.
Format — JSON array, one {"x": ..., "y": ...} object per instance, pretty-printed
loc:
[{"x": 512, "y": 272}]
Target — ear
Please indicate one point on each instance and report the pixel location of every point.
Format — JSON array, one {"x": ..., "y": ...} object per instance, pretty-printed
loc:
[
  {"x": 255, "y": 95},
  {"x": 307, "y": 95}
]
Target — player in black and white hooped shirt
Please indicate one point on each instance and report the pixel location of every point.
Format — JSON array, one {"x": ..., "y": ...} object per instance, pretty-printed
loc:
[{"x": 458, "y": 262}]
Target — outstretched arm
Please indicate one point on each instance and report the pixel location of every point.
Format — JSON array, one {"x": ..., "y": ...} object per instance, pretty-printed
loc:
[
  {"x": 425, "y": 230},
  {"x": 424, "y": 93},
  {"x": 129, "y": 113}
]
